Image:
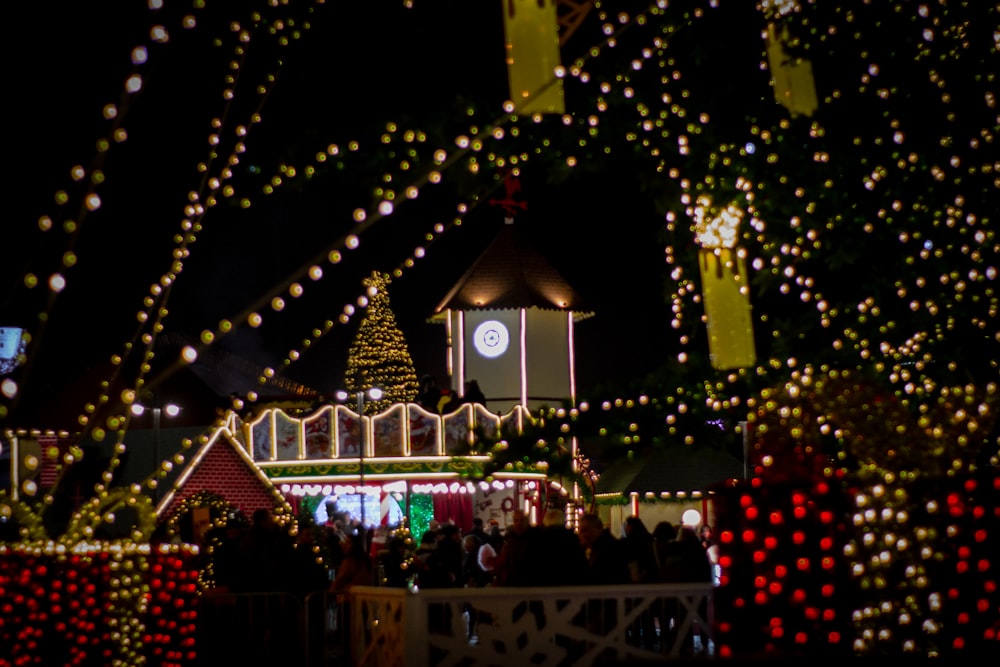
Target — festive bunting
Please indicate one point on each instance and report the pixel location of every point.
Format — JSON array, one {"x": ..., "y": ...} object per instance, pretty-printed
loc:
[
  {"x": 725, "y": 284},
  {"x": 792, "y": 77},
  {"x": 532, "y": 40},
  {"x": 727, "y": 306}
]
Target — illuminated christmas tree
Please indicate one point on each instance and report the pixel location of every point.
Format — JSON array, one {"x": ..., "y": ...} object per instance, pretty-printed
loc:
[{"x": 379, "y": 356}]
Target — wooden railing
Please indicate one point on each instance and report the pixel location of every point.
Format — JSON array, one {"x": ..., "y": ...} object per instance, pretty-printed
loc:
[
  {"x": 565, "y": 626},
  {"x": 508, "y": 626}
]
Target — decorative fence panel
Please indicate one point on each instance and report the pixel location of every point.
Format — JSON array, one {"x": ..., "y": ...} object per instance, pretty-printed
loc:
[
  {"x": 404, "y": 429},
  {"x": 483, "y": 627}
]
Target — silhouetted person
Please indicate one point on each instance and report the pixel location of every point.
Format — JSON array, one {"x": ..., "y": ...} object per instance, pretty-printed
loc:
[
  {"x": 308, "y": 572},
  {"x": 308, "y": 581},
  {"x": 606, "y": 566},
  {"x": 265, "y": 555},
  {"x": 226, "y": 554},
  {"x": 705, "y": 535},
  {"x": 642, "y": 570},
  {"x": 559, "y": 557},
  {"x": 478, "y": 529},
  {"x": 429, "y": 397},
  {"x": 473, "y": 574},
  {"x": 605, "y": 553},
  {"x": 395, "y": 566},
  {"x": 443, "y": 569},
  {"x": 513, "y": 565},
  {"x": 712, "y": 549},
  {"x": 690, "y": 564},
  {"x": 639, "y": 551},
  {"x": 490, "y": 549},
  {"x": 665, "y": 548},
  {"x": 486, "y": 557},
  {"x": 664, "y": 539},
  {"x": 472, "y": 393},
  {"x": 356, "y": 568},
  {"x": 448, "y": 557},
  {"x": 448, "y": 401},
  {"x": 423, "y": 575}
]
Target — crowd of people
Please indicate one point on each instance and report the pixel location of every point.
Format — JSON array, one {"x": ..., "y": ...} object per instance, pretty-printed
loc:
[
  {"x": 443, "y": 401},
  {"x": 553, "y": 554},
  {"x": 550, "y": 554},
  {"x": 262, "y": 557}
]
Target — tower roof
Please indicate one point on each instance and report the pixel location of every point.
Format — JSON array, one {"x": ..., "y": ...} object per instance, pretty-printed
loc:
[{"x": 511, "y": 273}]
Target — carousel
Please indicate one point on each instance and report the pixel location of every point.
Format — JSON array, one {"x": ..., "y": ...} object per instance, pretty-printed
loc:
[{"x": 403, "y": 463}]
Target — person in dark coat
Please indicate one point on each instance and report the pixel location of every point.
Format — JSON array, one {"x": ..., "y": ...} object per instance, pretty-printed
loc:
[
  {"x": 639, "y": 551},
  {"x": 395, "y": 562},
  {"x": 689, "y": 563},
  {"x": 665, "y": 549},
  {"x": 472, "y": 393},
  {"x": 473, "y": 576},
  {"x": 513, "y": 565},
  {"x": 446, "y": 559},
  {"x": 606, "y": 564},
  {"x": 560, "y": 559},
  {"x": 308, "y": 573},
  {"x": 478, "y": 529},
  {"x": 664, "y": 546},
  {"x": 430, "y": 393},
  {"x": 642, "y": 570},
  {"x": 266, "y": 553},
  {"x": 356, "y": 569}
]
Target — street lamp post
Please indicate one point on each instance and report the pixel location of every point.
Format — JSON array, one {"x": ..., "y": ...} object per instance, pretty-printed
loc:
[
  {"x": 375, "y": 394},
  {"x": 171, "y": 410}
]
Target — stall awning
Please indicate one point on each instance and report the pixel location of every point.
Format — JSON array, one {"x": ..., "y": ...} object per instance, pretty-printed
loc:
[{"x": 671, "y": 469}]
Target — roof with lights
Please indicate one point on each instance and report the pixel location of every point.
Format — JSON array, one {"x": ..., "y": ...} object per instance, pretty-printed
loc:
[
  {"x": 511, "y": 273},
  {"x": 669, "y": 471}
]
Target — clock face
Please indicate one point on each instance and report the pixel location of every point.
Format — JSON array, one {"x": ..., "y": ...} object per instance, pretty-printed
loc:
[{"x": 491, "y": 338}]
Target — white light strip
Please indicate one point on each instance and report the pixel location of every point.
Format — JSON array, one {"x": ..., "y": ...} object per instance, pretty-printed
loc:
[
  {"x": 449, "y": 337},
  {"x": 523, "y": 336},
  {"x": 460, "y": 384},
  {"x": 572, "y": 357}
]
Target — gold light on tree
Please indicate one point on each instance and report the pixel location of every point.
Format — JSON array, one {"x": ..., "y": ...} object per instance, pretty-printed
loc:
[
  {"x": 725, "y": 286},
  {"x": 531, "y": 31},
  {"x": 379, "y": 355}
]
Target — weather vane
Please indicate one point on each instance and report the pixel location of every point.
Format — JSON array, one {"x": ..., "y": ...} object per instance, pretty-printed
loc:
[{"x": 510, "y": 204}]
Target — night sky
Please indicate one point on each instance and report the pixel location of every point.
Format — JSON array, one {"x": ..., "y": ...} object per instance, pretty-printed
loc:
[
  {"x": 355, "y": 70},
  {"x": 866, "y": 221}
]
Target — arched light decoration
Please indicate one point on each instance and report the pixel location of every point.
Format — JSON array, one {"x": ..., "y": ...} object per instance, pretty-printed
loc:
[{"x": 724, "y": 284}]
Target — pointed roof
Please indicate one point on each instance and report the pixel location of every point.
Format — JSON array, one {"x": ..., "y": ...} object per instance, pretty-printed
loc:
[
  {"x": 511, "y": 274},
  {"x": 222, "y": 465}
]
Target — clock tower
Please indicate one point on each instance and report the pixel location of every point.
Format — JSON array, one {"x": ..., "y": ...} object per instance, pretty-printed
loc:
[{"x": 510, "y": 325}]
